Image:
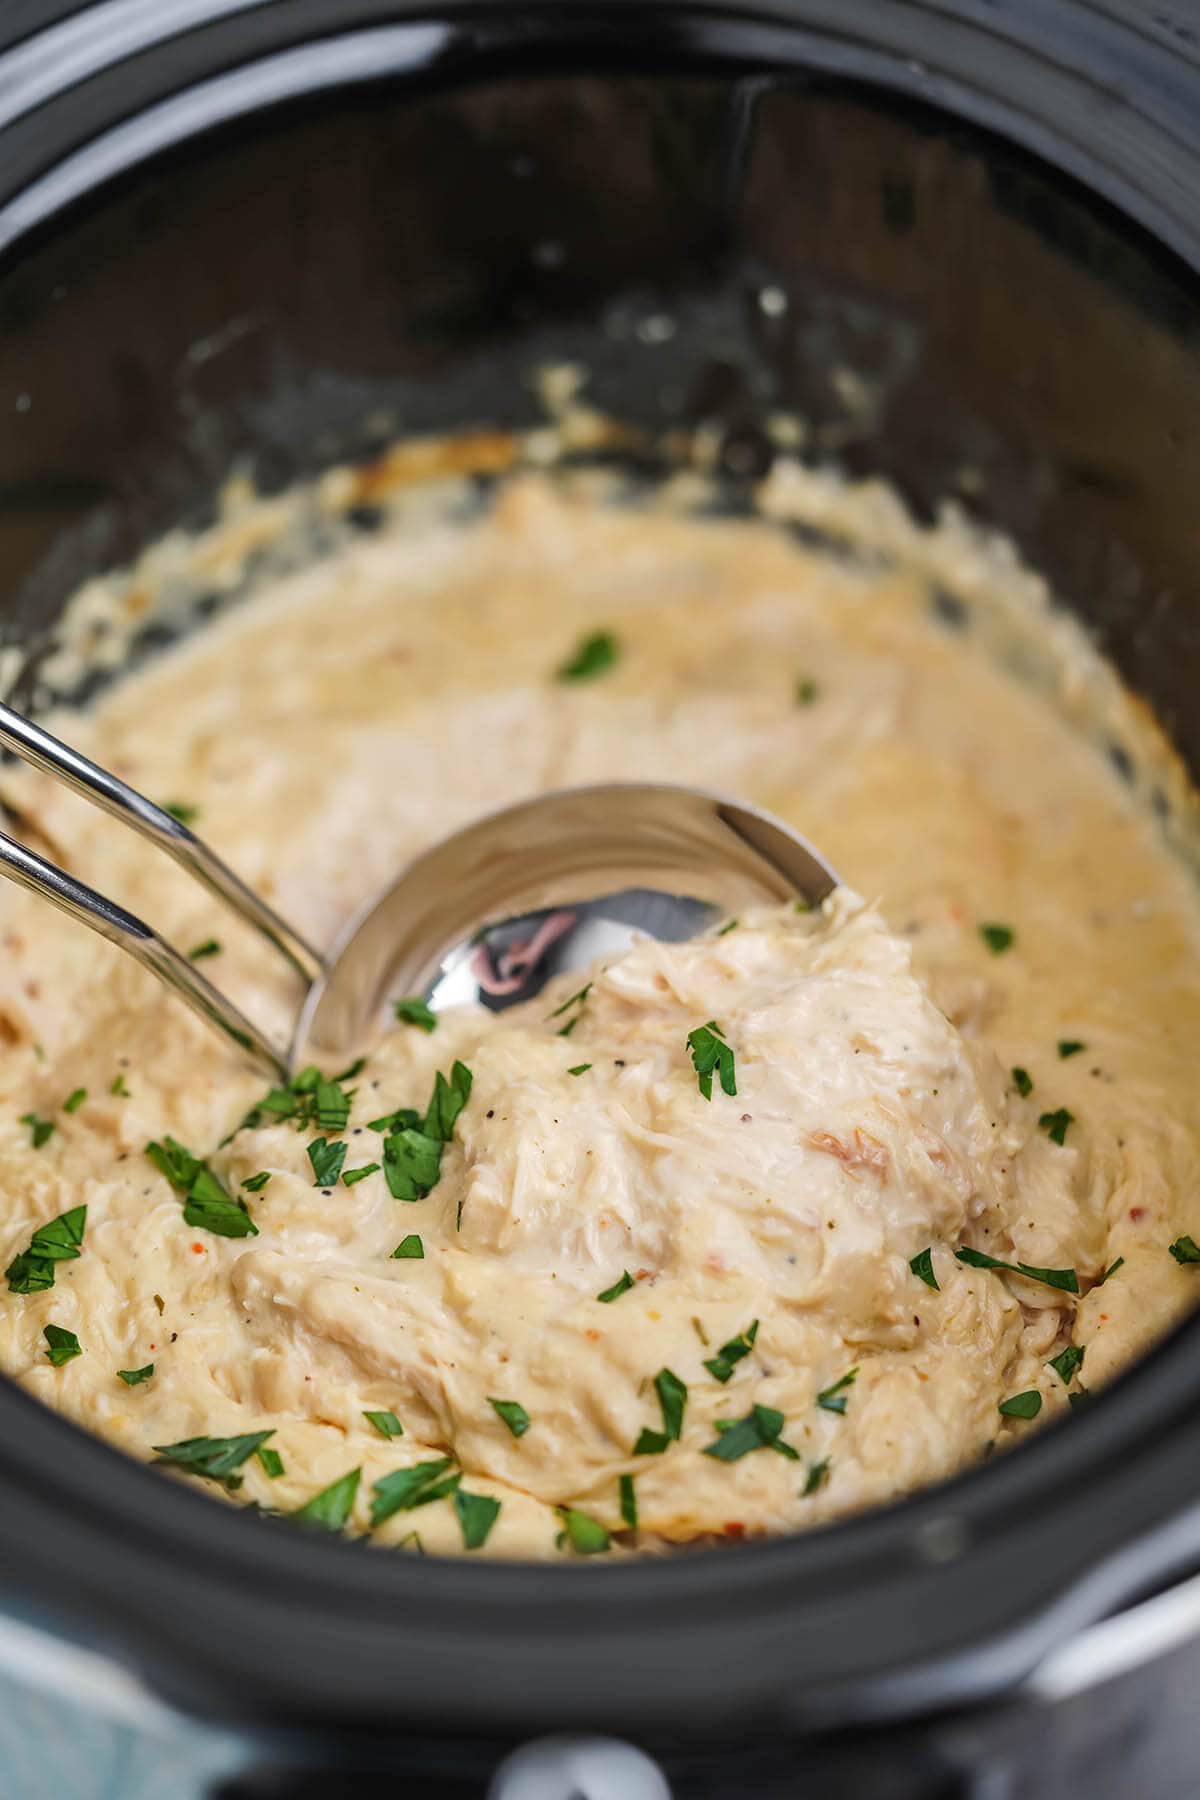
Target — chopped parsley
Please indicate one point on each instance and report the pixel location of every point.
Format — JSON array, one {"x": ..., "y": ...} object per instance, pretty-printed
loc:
[
  {"x": 385, "y": 1423},
  {"x": 405, "y": 1118},
  {"x": 198, "y": 952},
  {"x": 577, "y": 999},
  {"x": 211, "y": 1208},
  {"x": 998, "y": 938},
  {"x": 806, "y": 692},
  {"x": 759, "y": 1430},
  {"x": 208, "y": 1205},
  {"x": 352, "y": 1176},
  {"x": 33, "y": 1270},
  {"x": 409, "y": 1249},
  {"x": 592, "y": 657},
  {"x": 727, "y": 927},
  {"x": 415, "y": 1012},
  {"x": 833, "y": 1399},
  {"x": 1055, "y": 1124},
  {"x": 118, "y": 1086},
  {"x": 74, "y": 1100},
  {"x": 1064, "y": 1279},
  {"x": 412, "y": 1163},
  {"x": 63, "y": 1344},
  {"x": 721, "y": 1365},
  {"x": 406, "y": 1489},
  {"x": 617, "y": 1289},
  {"x": 818, "y": 1475},
  {"x": 1186, "y": 1250},
  {"x": 1022, "y": 1406},
  {"x": 39, "y": 1129},
  {"x": 711, "y": 1053},
  {"x": 672, "y": 1400},
  {"x": 629, "y": 1510},
  {"x": 579, "y": 1069},
  {"x": 1067, "y": 1362},
  {"x": 330, "y": 1509},
  {"x": 477, "y": 1513},
  {"x": 1069, "y": 1047},
  {"x": 450, "y": 1095},
  {"x": 513, "y": 1414},
  {"x": 326, "y": 1159},
  {"x": 586, "y": 1536},
  {"x": 331, "y": 1106},
  {"x": 1111, "y": 1270},
  {"x": 307, "y": 1100},
  {"x": 216, "y": 1459},
  {"x": 254, "y": 1184},
  {"x": 1023, "y": 1082},
  {"x": 135, "y": 1377},
  {"x": 922, "y": 1267},
  {"x": 181, "y": 810},
  {"x": 272, "y": 1462}
]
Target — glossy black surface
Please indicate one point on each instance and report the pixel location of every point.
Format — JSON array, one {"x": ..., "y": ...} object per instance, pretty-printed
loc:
[{"x": 415, "y": 246}]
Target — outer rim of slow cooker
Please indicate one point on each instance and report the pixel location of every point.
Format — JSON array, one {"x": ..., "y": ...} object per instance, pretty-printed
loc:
[{"x": 707, "y": 1643}]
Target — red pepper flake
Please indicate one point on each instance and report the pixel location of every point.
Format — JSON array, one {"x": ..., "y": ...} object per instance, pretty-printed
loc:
[
  {"x": 1136, "y": 1213},
  {"x": 199, "y": 1249},
  {"x": 734, "y": 1529}
]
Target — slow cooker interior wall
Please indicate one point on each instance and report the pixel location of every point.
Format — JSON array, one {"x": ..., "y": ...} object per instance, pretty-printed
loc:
[{"x": 272, "y": 291}]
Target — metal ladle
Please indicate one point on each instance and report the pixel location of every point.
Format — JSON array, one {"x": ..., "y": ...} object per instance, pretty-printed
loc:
[{"x": 488, "y": 915}]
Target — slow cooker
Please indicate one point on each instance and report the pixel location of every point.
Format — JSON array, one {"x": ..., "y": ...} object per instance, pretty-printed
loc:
[{"x": 269, "y": 233}]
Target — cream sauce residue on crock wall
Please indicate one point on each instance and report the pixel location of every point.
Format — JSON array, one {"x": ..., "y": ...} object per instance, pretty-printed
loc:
[{"x": 357, "y": 709}]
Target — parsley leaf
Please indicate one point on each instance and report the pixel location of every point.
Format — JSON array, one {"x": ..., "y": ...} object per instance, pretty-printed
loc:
[
  {"x": 1023, "y": 1082},
  {"x": 477, "y": 1513},
  {"x": 1111, "y": 1270},
  {"x": 416, "y": 1012},
  {"x": 271, "y": 1461},
  {"x": 818, "y": 1475},
  {"x": 1056, "y": 1123},
  {"x": 118, "y": 1086},
  {"x": 513, "y": 1414},
  {"x": 135, "y": 1377},
  {"x": 214, "y": 1458},
  {"x": 1186, "y": 1250},
  {"x": 722, "y": 1364},
  {"x": 412, "y": 1163},
  {"x": 617, "y": 1289},
  {"x": 210, "y": 947},
  {"x": 39, "y": 1129},
  {"x": 998, "y": 938},
  {"x": 406, "y": 1489},
  {"x": 63, "y": 1344},
  {"x": 1069, "y": 1047},
  {"x": 330, "y": 1509},
  {"x": 629, "y": 1510},
  {"x": 833, "y": 1399},
  {"x": 579, "y": 1069},
  {"x": 710, "y": 1052},
  {"x": 385, "y": 1423},
  {"x": 254, "y": 1184},
  {"x": 33, "y": 1270},
  {"x": 759, "y": 1430},
  {"x": 74, "y": 1100},
  {"x": 181, "y": 810},
  {"x": 672, "y": 1399},
  {"x": 211, "y": 1208},
  {"x": 922, "y": 1267},
  {"x": 1064, "y": 1279},
  {"x": 352, "y": 1176},
  {"x": 1066, "y": 1363},
  {"x": 576, "y": 999},
  {"x": 409, "y": 1248},
  {"x": 449, "y": 1098},
  {"x": 586, "y": 1536},
  {"x": 591, "y": 657},
  {"x": 1022, "y": 1406},
  {"x": 175, "y": 1161},
  {"x": 405, "y": 1118},
  {"x": 326, "y": 1160}
]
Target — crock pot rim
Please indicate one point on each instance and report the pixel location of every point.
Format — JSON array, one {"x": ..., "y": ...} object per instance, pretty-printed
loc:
[{"x": 573, "y": 1615}]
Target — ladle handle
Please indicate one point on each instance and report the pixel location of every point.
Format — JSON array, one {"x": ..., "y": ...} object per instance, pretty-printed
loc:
[
  {"x": 81, "y": 902},
  {"x": 36, "y": 745}
]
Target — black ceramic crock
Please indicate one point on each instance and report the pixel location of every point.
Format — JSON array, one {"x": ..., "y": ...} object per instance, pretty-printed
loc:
[{"x": 246, "y": 229}]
